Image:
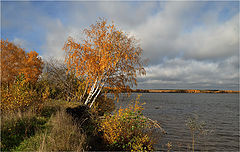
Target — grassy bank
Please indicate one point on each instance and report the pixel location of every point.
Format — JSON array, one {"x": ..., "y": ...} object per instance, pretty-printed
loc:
[
  {"x": 25, "y": 130},
  {"x": 72, "y": 126}
]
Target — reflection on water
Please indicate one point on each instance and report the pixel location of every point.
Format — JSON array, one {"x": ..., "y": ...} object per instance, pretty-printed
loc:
[{"x": 171, "y": 110}]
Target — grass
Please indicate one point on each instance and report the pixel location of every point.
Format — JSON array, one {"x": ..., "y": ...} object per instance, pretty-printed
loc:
[
  {"x": 25, "y": 131},
  {"x": 63, "y": 134},
  {"x": 16, "y": 130}
]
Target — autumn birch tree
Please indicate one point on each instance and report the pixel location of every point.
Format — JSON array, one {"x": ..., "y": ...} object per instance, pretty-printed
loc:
[{"x": 106, "y": 57}]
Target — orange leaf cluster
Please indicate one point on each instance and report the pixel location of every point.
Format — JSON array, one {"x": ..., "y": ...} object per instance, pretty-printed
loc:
[
  {"x": 105, "y": 57},
  {"x": 14, "y": 61}
]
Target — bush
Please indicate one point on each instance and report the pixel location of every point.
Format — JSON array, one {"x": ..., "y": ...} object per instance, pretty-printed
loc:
[
  {"x": 17, "y": 96},
  {"x": 87, "y": 121},
  {"x": 127, "y": 129},
  {"x": 31, "y": 144}
]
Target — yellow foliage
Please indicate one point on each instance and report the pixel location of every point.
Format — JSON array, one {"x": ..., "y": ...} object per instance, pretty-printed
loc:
[
  {"x": 128, "y": 129},
  {"x": 46, "y": 93},
  {"x": 18, "y": 96}
]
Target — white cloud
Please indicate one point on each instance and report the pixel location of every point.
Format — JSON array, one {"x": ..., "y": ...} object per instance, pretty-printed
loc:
[
  {"x": 172, "y": 33},
  {"x": 20, "y": 42},
  {"x": 127, "y": 15},
  {"x": 184, "y": 51},
  {"x": 162, "y": 34},
  {"x": 190, "y": 72},
  {"x": 211, "y": 43},
  {"x": 56, "y": 36}
]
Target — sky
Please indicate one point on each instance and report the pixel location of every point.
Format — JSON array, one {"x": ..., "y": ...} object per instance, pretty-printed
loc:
[{"x": 188, "y": 44}]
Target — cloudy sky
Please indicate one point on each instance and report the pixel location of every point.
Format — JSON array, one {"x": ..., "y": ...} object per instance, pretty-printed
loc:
[{"x": 190, "y": 45}]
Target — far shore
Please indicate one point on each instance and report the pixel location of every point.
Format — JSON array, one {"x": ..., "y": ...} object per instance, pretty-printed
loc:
[{"x": 182, "y": 91}]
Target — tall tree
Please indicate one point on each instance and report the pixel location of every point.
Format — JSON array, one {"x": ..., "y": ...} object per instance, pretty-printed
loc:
[
  {"x": 106, "y": 56},
  {"x": 14, "y": 61}
]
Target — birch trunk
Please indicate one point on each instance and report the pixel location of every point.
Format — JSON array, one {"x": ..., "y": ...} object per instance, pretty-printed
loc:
[
  {"x": 91, "y": 91},
  {"x": 96, "y": 97}
]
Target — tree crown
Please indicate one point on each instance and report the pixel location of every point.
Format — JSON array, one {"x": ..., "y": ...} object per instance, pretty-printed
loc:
[
  {"x": 106, "y": 55},
  {"x": 14, "y": 61}
]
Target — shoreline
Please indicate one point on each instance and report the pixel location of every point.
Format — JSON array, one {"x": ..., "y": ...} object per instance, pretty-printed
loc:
[{"x": 182, "y": 91}]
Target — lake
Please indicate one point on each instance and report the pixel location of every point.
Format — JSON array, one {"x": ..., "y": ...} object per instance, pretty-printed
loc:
[{"x": 220, "y": 112}]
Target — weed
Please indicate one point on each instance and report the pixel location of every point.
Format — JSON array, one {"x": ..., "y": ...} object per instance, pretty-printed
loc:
[{"x": 197, "y": 128}]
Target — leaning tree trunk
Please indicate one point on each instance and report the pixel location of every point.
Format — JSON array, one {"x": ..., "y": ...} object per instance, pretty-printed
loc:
[
  {"x": 96, "y": 97},
  {"x": 95, "y": 91}
]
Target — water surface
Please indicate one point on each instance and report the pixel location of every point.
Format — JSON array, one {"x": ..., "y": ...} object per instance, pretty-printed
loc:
[{"x": 220, "y": 112}]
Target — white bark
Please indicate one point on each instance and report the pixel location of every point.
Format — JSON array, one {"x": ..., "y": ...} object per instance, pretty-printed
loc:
[
  {"x": 91, "y": 92},
  {"x": 88, "y": 98},
  {"x": 95, "y": 90},
  {"x": 93, "y": 87},
  {"x": 96, "y": 97}
]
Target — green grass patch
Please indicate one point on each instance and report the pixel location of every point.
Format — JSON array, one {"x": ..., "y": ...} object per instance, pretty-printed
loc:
[
  {"x": 13, "y": 132},
  {"x": 31, "y": 144}
]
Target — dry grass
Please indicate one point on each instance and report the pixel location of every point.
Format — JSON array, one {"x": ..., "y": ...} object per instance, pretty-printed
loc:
[
  {"x": 64, "y": 135},
  {"x": 45, "y": 128}
]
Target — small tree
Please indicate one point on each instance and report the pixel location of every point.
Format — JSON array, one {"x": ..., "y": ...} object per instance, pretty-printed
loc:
[{"x": 106, "y": 57}]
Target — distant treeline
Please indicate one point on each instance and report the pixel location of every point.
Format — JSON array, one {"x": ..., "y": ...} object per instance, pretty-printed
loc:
[
  {"x": 128, "y": 90},
  {"x": 183, "y": 91}
]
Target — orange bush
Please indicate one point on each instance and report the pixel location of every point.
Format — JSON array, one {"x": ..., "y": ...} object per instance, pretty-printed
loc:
[{"x": 128, "y": 129}]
